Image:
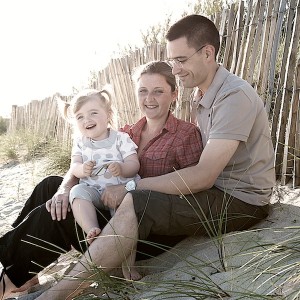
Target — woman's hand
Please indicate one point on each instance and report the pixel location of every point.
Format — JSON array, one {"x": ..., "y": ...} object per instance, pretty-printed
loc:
[
  {"x": 113, "y": 195},
  {"x": 59, "y": 205}
]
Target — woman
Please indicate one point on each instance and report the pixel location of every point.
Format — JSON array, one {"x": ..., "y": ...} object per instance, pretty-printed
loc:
[{"x": 164, "y": 143}]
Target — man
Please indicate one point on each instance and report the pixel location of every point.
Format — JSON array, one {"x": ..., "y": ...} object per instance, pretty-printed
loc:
[{"x": 231, "y": 185}]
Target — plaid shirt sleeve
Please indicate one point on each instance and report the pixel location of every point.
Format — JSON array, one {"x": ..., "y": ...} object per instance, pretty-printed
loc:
[{"x": 188, "y": 151}]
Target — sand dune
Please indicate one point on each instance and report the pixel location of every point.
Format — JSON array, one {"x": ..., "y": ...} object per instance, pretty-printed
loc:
[{"x": 262, "y": 261}]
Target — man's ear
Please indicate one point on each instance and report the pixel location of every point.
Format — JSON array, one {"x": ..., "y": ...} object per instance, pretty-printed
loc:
[{"x": 209, "y": 50}]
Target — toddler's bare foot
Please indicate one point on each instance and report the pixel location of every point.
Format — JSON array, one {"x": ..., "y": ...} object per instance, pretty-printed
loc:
[
  {"x": 130, "y": 273},
  {"x": 92, "y": 234}
]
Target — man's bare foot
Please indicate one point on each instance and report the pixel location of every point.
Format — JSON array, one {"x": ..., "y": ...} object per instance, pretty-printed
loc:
[
  {"x": 130, "y": 273},
  {"x": 92, "y": 234}
]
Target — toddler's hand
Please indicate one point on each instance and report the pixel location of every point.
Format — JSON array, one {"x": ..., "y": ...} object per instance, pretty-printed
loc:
[
  {"x": 87, "y": 167},
  {"x": 115, "y": 169}
]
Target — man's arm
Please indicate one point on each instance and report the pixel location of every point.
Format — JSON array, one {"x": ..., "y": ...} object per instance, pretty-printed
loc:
[{"x": 214, "y": 158}]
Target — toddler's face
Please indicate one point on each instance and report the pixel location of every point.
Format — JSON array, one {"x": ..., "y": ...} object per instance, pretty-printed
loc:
[{"x": 92, "y": 119}]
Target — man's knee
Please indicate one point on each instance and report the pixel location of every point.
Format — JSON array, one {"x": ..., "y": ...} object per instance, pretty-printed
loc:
[{"x": 127, "y": 204}]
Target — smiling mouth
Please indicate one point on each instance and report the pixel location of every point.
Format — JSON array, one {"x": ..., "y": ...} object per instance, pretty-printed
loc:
[
  {"x": 90, "y": 127},
  {"x": 151, "y": 106}
]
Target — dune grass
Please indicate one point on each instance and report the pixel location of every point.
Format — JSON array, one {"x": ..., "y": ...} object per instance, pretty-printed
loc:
[
  {"x": 256, "y": 268},
  {"x": 24, "y": 146},
  {"x": 262, "y": 263}
]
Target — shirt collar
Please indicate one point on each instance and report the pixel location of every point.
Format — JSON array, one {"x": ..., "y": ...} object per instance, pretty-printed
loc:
[
  {"x": 170, "y": 125},
  {"x": 210, "y": 95},
  {"x": 105, "y": 143}
]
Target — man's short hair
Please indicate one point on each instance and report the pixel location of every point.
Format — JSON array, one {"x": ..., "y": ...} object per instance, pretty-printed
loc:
[{"x": 198, "y": 30}]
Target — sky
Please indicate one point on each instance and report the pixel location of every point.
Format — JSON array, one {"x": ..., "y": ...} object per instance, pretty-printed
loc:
[{"x": 50, "y": 46}]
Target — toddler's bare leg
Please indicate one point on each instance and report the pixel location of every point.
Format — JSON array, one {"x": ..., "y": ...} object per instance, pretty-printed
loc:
[
  {"x": 85, "y": 214},
  {"x": 92, "y": 234},
  {"x": 119, "y": 236}
]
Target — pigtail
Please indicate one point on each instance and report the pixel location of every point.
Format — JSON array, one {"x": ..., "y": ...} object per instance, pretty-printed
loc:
[
  {"x": 63, "y": 107},
  {"x": 106, "y": 94}
]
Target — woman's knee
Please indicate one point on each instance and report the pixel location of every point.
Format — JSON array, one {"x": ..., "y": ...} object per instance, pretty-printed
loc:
[
  {"x": 48, "y": 185},
  {"x": 52, "y": 180}
]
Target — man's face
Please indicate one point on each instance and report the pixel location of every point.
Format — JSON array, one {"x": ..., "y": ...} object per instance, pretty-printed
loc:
[{"x": 187, "y": 62}]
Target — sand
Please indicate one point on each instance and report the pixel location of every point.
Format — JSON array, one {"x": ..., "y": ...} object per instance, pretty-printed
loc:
[{"x": 241, "y": 265}]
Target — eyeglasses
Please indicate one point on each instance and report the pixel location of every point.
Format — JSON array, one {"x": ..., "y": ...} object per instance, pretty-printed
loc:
[{"x": 179, "y": 62}]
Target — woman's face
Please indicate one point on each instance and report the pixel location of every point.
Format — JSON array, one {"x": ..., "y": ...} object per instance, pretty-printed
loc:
[{"x": 155, "y": 96}]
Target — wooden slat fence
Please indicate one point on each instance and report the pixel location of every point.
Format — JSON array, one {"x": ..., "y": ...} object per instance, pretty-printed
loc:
[{"x": 259, "y": 42}]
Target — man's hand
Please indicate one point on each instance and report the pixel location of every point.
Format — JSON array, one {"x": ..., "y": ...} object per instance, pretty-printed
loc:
[
  {"x": 58, "y": 205},
  {"x": 113, "y": 195}
]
